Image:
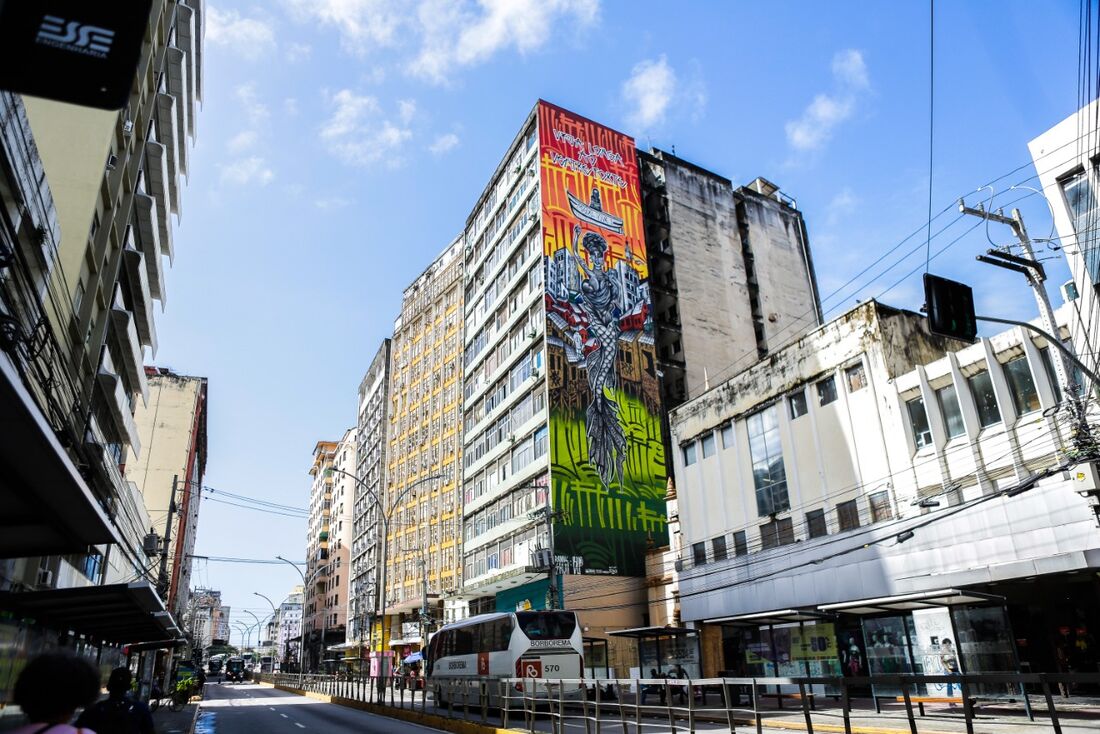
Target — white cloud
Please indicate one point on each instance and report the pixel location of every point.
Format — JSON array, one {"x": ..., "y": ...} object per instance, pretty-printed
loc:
[
  {"x": 255, "y": 111},
  {"x": 359, "y": 134},
  {"x": 649, "y": 91},
  {"x": 249, "y": 37},
  {"x": 290, "y": 106},
  {"x": 454, "y": 34},
  {"x": 821, "y": 117},
  {"x": 363, "y": 24},
  {"x": 242, "y": 141},
  {"x": 298, "y": 51},
  {"x": 245, "y": 171},
  {"x": 843, "y": 203},
  {"x": 331, "y": 203},
  {"x": 443, "y": 143},
  {"x": 406, "y": 109}
]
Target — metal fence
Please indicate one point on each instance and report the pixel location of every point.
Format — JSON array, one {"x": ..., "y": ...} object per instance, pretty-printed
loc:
[{"x": 633, "y": 706}]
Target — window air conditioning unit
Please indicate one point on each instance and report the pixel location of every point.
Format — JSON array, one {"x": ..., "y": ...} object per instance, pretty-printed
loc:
[
  {"x": 112, "y": 161},
  {"x": 45, "y": 577},
  {"x": 127, "y": 127}
]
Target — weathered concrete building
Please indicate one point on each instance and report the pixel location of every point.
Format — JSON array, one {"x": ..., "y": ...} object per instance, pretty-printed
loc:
[
  {"x": 866, "y": 486},
  {"x": 370, "y": 448},
  {"x": 172, "y": 428}
]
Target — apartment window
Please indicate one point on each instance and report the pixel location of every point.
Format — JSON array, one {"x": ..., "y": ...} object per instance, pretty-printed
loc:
[
  {"x": 708, "y": 445},
  {"x": 880, "y": 506},
  {"x": 918, "y": 421},
  {"x": 699, "y": 553},
  {"x": 718, "y": 545},
  {"x": 826, "y": 391},
  {"x": 815, "y": 524},
  {"x": 740, "y": 543},
  {"x": 796, "y": 401},
  {"x": 1024, "y": 395},
  {"x": 727, "y": 436},
  {"x": 776, "y": 533},
  {"x": 952, "y": 415},
  {"x": 1082, "y": 206},
  {"x": 857, "y": 378},
  {"x": 689, "y": 453},
  {"x": 768, "y": 472},
  {"x": 847, "y": 515},
  {"x": 981, "y": 386}
]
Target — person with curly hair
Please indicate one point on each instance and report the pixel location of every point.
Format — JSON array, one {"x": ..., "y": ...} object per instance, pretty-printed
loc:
[{"x": 50, "y": 690}]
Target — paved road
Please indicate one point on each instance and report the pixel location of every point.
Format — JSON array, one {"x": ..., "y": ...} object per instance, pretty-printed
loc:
[{"x": 245, "y": 708}]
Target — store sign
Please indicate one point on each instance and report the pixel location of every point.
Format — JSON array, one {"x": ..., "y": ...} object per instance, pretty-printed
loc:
[
  {"x": 75, "y": 51},
  {"x": 607, "y": 462}
]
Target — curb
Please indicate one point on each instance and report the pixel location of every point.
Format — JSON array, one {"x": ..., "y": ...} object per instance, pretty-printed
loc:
[
  {"x": 461, "y": 726},
  {"x": 194, "y": 719}
]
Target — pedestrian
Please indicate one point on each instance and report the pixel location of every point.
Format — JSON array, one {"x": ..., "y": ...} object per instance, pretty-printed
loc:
[
  {"x": 119, "y": 713},
  {"x": 649, "y": 688},
  {"x": 950, "y": 662},
  {"x": 50, "y": 690},
  {"x": 680, "y": 691}
]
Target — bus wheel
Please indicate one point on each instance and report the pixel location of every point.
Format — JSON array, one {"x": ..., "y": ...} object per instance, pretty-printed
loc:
[{"x": 439, "y": 700}]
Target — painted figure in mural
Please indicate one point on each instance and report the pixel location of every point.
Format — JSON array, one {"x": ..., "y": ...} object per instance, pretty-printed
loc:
[{"x": 599, "y": 301}]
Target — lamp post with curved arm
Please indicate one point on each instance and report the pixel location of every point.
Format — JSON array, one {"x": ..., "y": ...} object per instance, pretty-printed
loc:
[
  {"x": 385, "y": 515},
  {"x": 274, "y": 614},
  {"x": 301, "y": 630}
]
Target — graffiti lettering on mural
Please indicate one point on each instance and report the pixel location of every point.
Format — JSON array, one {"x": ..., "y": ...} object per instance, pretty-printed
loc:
[{"x": 607, "y": 458}]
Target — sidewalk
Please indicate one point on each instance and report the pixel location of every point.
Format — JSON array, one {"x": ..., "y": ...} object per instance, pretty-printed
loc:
[{"x": 176, "y": 722}]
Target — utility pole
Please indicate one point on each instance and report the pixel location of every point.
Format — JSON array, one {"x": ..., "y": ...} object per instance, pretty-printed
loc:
[
  {"x": 162, "y": 579},
  {"x": 1036, "y": 276},
  {"x": 424, "y": 605},
  {"x": 545, "y": 512}
]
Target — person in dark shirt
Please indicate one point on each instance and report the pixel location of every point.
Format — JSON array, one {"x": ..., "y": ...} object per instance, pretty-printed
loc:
[{"x": 119, "y": 713}]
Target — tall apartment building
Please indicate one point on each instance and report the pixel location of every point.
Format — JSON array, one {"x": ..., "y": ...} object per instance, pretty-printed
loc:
[
  {"x": 328, "y": 547},
  {"x": 422, "y": 457},
  {"x": 89, "y": 195},
  {"x": 370, "y": 446},
  {"x": 209, "y": 620},
  {"x": 577, "y": 333},
  {"x": 169, "y": 472}
]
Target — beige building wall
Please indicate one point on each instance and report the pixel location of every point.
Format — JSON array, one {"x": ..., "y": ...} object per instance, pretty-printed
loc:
[{"x": 172, "y": 428}]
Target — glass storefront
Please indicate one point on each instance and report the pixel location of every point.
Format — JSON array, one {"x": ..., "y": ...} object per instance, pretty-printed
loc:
[{"x": 664, "y": 653}]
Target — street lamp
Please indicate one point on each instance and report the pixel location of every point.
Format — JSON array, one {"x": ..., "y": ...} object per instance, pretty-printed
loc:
[
  {"x": 301, "y": 631},
  {"x": 385, "y": 530},
  {"x": 274, "y": 614}
]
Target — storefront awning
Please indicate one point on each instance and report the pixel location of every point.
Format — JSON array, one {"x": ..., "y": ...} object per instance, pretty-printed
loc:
[
  {"x": 762, "y": 619},
  {"x": 405, "y": 641},
  {"x": 641, "y": 632},
  {"x": 120, "y": 613},
  {"x": 158, "y": 645},
  {"x": 46, "y": 507},
  {"x": 909, "y": 602}
]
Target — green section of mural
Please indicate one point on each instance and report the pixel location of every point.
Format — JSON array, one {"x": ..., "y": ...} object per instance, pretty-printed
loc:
[{"x": 605, "y": 530}]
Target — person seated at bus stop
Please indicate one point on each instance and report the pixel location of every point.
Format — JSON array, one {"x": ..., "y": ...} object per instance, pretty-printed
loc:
[
  {"x": 679, "y": 691},
  {"x": 654, "y": 674}
]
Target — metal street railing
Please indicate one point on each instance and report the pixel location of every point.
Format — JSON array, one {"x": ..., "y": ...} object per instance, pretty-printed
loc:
[{"x": 1006, "y": 700}]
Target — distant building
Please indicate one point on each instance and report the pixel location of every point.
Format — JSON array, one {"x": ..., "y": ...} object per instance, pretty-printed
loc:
[
  {"x": 209, "y": 620},
  {"x": 288, "y": 630},
  {"x": 172, "y": 427}
]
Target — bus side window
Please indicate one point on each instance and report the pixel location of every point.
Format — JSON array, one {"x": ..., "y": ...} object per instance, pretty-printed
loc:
[
  {"x": 502, "y": 635},
  {"x": 464, "y": 641}
]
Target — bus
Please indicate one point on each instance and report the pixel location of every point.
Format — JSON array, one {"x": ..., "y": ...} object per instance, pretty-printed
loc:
[{"x": 537, "y": 644}]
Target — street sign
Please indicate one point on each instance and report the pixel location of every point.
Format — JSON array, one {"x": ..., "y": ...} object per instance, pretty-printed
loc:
[
  {"x": 75, "y": 51},
  {"x": 950, "y": 308},
  {"x": 528, "y": 668}
]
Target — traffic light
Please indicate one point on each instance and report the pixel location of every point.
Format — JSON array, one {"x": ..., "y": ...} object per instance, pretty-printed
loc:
[{"x": 950, "y": 307}]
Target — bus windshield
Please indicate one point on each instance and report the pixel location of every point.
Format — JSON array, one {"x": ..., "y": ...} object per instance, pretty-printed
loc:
[{"x": 547, "y": 625}]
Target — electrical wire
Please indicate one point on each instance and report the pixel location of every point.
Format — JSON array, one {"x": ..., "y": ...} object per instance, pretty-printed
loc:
[{"x": 931, "y": 123}]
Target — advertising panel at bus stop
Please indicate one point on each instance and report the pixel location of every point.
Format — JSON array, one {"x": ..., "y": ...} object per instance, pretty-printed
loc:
[{"x": 607, "y": 463}]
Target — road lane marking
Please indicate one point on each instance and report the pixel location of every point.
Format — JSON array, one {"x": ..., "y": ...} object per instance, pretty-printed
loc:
[
  {"x": 300, "y": 726},
  {"x": 284, "y": 716},
  {"x": 271, "y": 707}
]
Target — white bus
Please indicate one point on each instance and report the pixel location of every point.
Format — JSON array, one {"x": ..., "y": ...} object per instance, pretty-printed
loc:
[{"x": 544, "y": 644}]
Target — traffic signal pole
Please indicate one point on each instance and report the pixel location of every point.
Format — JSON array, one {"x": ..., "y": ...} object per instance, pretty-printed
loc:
[{"x": 1036, "y": 276}]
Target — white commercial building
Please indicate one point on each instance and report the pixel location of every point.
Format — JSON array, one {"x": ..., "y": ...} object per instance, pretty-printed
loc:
[{"x": 879, "y": 490}]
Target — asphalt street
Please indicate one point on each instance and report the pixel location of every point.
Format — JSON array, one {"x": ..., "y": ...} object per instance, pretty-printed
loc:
[{"x": 245, "y": 708}]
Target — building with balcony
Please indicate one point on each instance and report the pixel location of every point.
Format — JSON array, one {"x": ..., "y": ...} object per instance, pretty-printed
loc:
[
  {"x": 370, "y": 446},
  {"x": 423, "y": 453},
  {"x": 288, "y": 630},
  {"x": 170, "y": 469},
  {"x": 328, "y": 548},
  {"x": 880, "y": 489},
  {"x": 86, "y": 196}
]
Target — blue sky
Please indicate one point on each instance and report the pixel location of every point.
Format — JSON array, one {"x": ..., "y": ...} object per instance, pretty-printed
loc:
[{"x": 342, "y": 143}]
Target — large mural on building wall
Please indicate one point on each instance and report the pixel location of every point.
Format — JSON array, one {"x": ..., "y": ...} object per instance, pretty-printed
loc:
[{"x": 607, "y": 460}]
